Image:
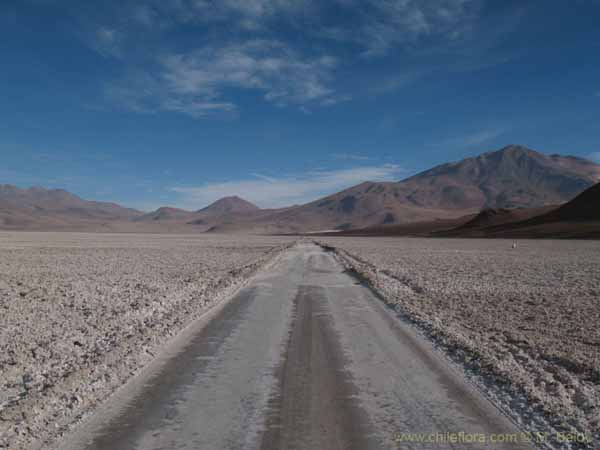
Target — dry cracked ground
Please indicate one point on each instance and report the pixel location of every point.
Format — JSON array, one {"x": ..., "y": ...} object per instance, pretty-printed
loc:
[
  {"x": 522, "y": 322},
  {"x": 81, "y": 313}
]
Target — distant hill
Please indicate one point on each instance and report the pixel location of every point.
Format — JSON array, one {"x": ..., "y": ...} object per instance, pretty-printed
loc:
[
  {"x": 512, "y": 177},
  {"x": 166, "y": 213},
  {"x": 226, "y": 210},
  {"x": 583, "y": 208},
  {"x": 579, "y": 218},
  {"x": 366, "y": 204},
  {"x": 424, "y": 228},
  {"x": 496, "y": 217},
  {"x": 229, "y": 205},
  {"x": 493, "y": 189},
  {"x": 41, "y": 208}
]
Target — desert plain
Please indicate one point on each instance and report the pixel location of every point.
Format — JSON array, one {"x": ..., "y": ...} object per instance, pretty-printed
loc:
[
  {"x": 80, "y": 314},
  {"x": 520, "y": 318}
]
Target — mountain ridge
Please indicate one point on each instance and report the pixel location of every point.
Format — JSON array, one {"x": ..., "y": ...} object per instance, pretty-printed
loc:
[
  {"x": 58, "y": 206},
  {"x": 511, "y": 177},
  {"x": 229, "y": 204}
]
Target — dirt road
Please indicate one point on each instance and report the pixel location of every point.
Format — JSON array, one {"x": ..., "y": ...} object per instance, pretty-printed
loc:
[{"x": 304, "y": 357}]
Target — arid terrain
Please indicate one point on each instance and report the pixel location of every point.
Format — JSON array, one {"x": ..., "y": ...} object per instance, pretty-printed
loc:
[
  {"x": 299, "y": 225},
  {"x": 81, "y": 313},
  {"x": 303, "y": 357},
  {"x": 522, "y": 322}
]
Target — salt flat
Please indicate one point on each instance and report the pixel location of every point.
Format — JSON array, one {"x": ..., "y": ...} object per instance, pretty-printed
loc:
[
  {"x": 303, "y": 357},
  {"x": 80, "y": 313},
  {"x": 523, "y": 321}
]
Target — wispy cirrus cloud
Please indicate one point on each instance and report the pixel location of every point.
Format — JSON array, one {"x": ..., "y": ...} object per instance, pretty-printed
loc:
[
  {"x": 383, "y": 25},
  {"x": 195, "y": 83},
  {"x": 264, "y": 65},
  {"x": 280, "y": 191},
  {"x": 245, "y": 14},
  {"x": 253, "y": 45}
]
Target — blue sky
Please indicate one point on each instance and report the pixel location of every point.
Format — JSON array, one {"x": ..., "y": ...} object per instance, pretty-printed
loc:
[{"x": 281, "y": 101}]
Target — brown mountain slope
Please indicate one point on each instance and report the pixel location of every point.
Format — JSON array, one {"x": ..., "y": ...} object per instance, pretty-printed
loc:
[
  {"x": 579, "y": 218},
  {"x": 471, "y": 225},
  {"x": 495, "y": 217},
  {"x": 166, "y": 213},
  {"x": 420, "y": 229},
  {"x": 368, "y": 203},
  {"x": 41, "y": 208},
  {"x": 226, "y": 209},
  {"x": 490, "y": 218},
  {"x": 583, "y": 208},
  {"x": 229, "y": 205},
  {"x": 57, "y": 201},
  {"x": 512, "y": 177}
]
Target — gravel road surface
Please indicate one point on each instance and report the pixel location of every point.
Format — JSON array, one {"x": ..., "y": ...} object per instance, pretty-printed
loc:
[{"x": 304, "y": 357}]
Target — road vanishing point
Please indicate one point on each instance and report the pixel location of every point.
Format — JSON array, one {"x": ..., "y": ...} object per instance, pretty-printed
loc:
[{"x": 304, "y": 357}]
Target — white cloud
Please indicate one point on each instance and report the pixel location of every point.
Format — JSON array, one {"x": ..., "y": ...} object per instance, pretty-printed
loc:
[
  {"x": 244, "y": 15},
  {"x": 143, "y": 93},
  {"x": 263, "y": 65},
  {"x": 385, "y": 24},
  {"x": 283, "y": 49},
  {"x": 375, "y": 25},
  {"x": 196, "y": 83},
  {"x": 285, "y": 191}
]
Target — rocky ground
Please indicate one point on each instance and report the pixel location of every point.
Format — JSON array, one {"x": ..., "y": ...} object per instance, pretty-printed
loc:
[
  {"x": 521, "y": 322},
  {"x": 81, "y": 313}
]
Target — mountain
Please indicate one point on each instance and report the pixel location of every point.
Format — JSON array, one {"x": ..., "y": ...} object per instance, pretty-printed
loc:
[
  {"x": 511, "y": 177},
  {"x": 224, "y": 211},
  {"x": 229, "y": 205},
  {"x": 583, "y": 208},
  {"x": 579, "y": 218},
  {"x": 415, "y": 229},
  {"x": 506, "y": 184},
  {"x": 491, "y": 217},
  {"x": 166, "y": 213},
  {"x": 40, "y": 200},
  {"x": 41, "y": 208},
  {"x": 488, "y": 219},
  {"x": 366, "y": 204}
]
